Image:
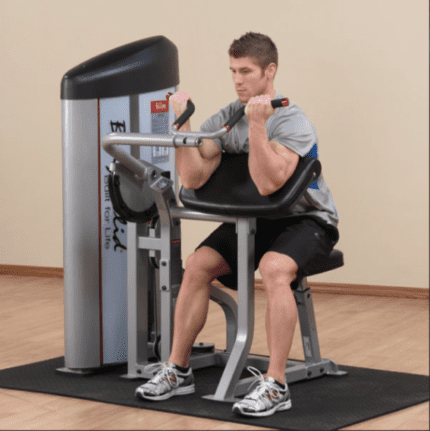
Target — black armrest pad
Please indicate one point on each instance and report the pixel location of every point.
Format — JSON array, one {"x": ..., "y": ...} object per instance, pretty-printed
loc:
[{"x": 231, "y": 190}]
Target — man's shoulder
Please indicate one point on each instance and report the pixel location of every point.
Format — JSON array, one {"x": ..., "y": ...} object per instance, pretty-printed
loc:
[
  {"x": 292, "y": 114},
  {"x": 291, "y": 110}
]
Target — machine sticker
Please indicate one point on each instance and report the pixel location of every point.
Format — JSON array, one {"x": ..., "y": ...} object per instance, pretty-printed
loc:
[
  {"x": 307, "y": 346},
  {"x": 159, "y": 126},
  {"x": 114, "y": 117},
  {"x": 118, "y": 126}
]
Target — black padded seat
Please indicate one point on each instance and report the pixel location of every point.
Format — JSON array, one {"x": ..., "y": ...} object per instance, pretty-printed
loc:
[
  {"x": 231, "y": 191},
  {"x": 335, "y": 260}
]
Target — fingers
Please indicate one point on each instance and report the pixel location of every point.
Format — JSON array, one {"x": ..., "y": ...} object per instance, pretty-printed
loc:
[
  {"x": 262, "y": 99},
  {"x": 179, "y": 102},
  {"x": 259, "y": 108}
]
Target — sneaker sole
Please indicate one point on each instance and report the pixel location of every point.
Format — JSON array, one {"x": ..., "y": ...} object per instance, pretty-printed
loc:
[
  {"x": 187, "y": 390},
  {"x": 279, "y": 407}
]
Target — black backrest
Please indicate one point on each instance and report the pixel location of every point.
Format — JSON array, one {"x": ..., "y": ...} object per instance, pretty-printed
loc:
[{"x": 231, "y": 190}]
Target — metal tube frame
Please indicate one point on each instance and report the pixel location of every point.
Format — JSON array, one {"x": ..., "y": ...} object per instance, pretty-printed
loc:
[{"x": 145, "y": 170}]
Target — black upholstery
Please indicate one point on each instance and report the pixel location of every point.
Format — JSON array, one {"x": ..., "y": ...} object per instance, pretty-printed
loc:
[
  {"x": 231, "y": 190},
  {"x": 335, "y": 260}
]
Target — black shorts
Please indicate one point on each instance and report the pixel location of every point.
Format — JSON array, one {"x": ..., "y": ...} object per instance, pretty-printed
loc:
[{"x": 303, "y": 239}]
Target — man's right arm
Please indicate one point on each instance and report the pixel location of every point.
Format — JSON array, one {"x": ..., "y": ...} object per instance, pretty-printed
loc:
[{"x": 194, "y": 165}]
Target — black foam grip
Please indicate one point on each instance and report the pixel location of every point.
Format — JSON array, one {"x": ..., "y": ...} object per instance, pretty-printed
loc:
[
  {"x": 279, "y": 103},
  {"x": 235, "y": 118},
  {"x": 185, "y": 115}
]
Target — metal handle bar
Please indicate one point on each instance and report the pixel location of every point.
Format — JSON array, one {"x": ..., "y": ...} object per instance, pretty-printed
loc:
[
  {"x": 177, "y": 139},
  {"x": 276, "y": 103}
]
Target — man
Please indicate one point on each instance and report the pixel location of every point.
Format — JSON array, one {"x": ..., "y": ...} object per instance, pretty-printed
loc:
[{"x": 285, "y": 247}]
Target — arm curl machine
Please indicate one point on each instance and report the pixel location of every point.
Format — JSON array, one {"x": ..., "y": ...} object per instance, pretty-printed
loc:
[{"x": 143, "y": 195}]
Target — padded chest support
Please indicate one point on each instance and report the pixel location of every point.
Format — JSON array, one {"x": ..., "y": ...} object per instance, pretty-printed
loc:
[{"x": 231, "y": 190}]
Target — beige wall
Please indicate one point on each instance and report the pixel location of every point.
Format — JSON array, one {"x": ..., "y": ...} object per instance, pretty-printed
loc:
[{"x": 358, "y": 68}]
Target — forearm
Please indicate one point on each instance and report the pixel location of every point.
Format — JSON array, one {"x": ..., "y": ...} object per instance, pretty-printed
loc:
[
  {"x": 188, "y": 161},
  {"x": 268, "y": 169},
  {"x": 195, "y": 165},
  {"x": 193, "y": 169},
  {"x": 190, "y": 167}
]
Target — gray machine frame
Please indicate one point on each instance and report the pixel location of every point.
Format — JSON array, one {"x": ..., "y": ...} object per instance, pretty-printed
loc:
[{"x": 143, "y": 241}]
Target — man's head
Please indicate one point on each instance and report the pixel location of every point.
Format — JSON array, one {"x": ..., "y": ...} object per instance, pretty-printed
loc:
[{"x": 253, "y": 62}]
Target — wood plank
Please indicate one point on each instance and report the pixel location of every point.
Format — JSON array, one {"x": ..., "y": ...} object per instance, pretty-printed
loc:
[
  {"x": 337, "y": 288},
  {"x": 32, "y": 271},
  {"x": 365, "y": 331},
  {"x": 363, "y": 289}
]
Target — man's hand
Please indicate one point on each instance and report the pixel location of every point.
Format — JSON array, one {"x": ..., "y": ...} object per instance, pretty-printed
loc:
[
  {"x": 179, "y": 102},
  {"x": 259, "y": 109}
]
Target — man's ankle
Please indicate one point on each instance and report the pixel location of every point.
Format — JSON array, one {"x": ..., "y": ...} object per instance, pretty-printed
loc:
[
  {"x": 280, "y": 380},
  {"x": 180, "y": 364}
]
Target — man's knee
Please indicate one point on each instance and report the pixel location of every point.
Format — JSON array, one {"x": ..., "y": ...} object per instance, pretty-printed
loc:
[
  {"x": 277, "y": 269},
  {"x": 206, "y": 262}
]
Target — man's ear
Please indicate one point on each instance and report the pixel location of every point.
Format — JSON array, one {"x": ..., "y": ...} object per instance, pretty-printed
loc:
[{"x": 271, "y": 70}]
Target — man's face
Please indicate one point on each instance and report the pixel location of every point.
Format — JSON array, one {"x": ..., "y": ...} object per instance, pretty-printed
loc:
[{"x": 248, "y": 78}]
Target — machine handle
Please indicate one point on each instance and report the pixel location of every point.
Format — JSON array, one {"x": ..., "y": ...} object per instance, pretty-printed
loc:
[
  {"x": 276, "y": 103},
  {"x": 112, "y": 141},
  {"x": 184, "y": 116},
  {"x": 279, "y": 103}
]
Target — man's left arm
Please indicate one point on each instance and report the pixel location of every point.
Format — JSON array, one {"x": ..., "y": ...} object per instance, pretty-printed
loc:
[{"x": 270, "y": 163}]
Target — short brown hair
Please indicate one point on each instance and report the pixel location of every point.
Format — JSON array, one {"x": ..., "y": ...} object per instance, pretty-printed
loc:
[{"x": 256, "y": 46}]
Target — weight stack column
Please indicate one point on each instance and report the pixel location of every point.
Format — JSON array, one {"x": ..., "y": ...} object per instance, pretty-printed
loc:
[{"x": 122, "y": 90}]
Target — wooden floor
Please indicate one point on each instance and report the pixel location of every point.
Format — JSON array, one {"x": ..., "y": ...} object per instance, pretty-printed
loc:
[{"x": 381, "y": 333}]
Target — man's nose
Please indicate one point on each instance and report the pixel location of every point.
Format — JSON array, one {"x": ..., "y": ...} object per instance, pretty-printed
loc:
[{"x": 237, "y": 79}]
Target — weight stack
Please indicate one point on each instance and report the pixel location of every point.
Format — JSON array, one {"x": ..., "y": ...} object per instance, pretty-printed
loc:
[{"x": 122, "y": 90}]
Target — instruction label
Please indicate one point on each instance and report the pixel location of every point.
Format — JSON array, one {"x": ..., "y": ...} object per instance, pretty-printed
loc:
[{"x": 160, "y": 126}]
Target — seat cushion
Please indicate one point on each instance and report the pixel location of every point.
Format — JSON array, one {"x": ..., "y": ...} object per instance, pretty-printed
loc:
[
  {"x": 335, "y": 260},
  {"x": 231, "y": 190}
]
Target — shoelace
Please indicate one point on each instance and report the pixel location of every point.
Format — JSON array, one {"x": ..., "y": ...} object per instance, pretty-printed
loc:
[
  {"x": 263, "y": 386},
  {"x": 164, "y": 372}
]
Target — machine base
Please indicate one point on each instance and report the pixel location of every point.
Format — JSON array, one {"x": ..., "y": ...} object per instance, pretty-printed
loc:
[
  {"x": 227, "y": 400},
  {"x": 77, "y": 371}
]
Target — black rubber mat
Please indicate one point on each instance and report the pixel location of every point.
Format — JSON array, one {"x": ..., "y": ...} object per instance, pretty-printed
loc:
[{"x": 326, "y": 403}]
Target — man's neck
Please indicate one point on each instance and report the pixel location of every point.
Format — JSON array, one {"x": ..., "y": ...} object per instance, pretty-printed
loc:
[{"x": 272, "y": 93}]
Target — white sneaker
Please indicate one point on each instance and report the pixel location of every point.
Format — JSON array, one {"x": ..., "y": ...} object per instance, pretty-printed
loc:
[
  {"x": 267, "y": 398},
  {"x": 167, "y": 382}
]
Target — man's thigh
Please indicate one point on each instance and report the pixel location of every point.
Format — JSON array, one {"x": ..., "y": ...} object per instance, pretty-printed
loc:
[
  {"x": 303, "y": 240},
  {"x": 306, "y": 243}
]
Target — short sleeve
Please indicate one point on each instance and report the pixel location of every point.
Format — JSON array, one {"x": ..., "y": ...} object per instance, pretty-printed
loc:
[{"x": 291, "y": 128}]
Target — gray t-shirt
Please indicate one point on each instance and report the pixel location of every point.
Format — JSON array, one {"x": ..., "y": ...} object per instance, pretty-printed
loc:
[{"x": 290, "y": 127}]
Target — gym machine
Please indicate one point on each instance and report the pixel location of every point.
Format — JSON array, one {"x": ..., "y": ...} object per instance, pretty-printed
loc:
[
  {"x": 144, "y": 199},
  {"x": 229, "y": 196}
]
